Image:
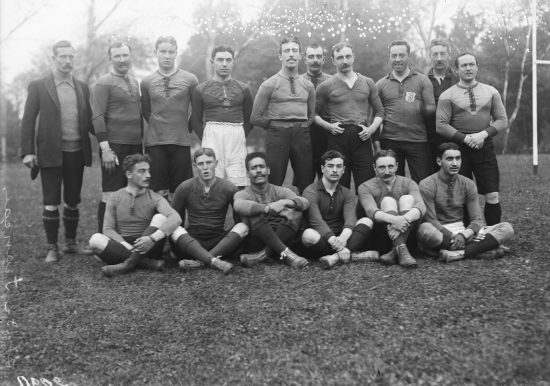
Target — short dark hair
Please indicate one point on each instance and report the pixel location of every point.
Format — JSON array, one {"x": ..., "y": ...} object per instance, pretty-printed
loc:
[
  {"x": 132, "y": 159},
  {"x": 331, "y": 154},
  {"x": 441, "y": 149},
  {"x": 257, "y": 154},
  {"x": 61, "y": 44},
  {"x": 385, "y": 153},
  {"x": 166, "y": 39},
  {"x": 291, "y": 39},
  {"x": 464, "y": 54},
  {"x": 203, "y": 151},
  {"x": 117, "y": 45},
  {"x": 441, "y": 42},
  {"x": 400, "y": 43},
  {"x": 222, "y": 49},
  {"x": 338, "y": 47}
]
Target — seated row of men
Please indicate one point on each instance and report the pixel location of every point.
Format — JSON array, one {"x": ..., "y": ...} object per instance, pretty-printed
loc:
[{"x": 268, "y": 218}]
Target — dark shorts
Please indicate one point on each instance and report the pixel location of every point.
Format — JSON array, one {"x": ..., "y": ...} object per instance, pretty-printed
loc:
[
  {"x": 155, "y": 252},
  {"x": 69, "y": 175},
  {"x": 416, "y": 154},
  {"x": 481, "y": 164},
  {"x": 111, "y": 182},
  {"x": 170, "y": 166}
]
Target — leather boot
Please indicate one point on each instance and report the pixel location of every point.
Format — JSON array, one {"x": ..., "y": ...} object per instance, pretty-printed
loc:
[
  {"x": 53, "y": 254},
  {"x": 126, "y": 266}
]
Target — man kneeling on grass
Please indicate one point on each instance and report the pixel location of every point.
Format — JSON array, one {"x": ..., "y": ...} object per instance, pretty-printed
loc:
[
  {"x": 136, "y": 222},
  {"x": 332, "y": 212},
  {"x": 206, "y": 198},
  {"x": 394, "y": 204},
  {"x": 445, "y": 194},
  {"x": 273, "y": 214}
]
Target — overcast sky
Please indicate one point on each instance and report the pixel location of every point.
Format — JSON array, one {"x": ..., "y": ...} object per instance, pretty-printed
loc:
[{"x": 66, "y": 19}]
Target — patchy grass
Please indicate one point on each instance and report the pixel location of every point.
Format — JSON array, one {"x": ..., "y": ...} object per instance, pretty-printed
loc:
[{"x": 472, "y": 322}]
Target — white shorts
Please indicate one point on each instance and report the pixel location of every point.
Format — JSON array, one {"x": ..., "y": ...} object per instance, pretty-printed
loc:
[
  {"x": 229, "y": 143},
  {"x": 455, "y": 227}
]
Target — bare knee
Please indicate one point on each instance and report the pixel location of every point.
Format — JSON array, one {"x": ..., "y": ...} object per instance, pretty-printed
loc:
[
  {"x": 388, "y": 204},
  {"x": 157, "y": 220},
  {"x": 241, "y": 229},
  {"x": 492, "y": 198},
  {"x": 310, "y": 237},
  {"x": 98, "y": 242},
  {"x": 365, "y": 221},
  {"x": 406, "y": 202}
]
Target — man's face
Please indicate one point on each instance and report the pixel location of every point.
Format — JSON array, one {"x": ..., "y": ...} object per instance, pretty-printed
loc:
[
  {"x": 314, "y": 59},
  {"x": 467, "y": 68},
  {"x": 385, "y": 168},
  {"x": 166, "y": 56},
  {"x": 399, "y": 58},
  {"x": 64, "y": 60},
  {"x": 223, "y": 64},
  {"x": 290, "y": 55},
  {"x": 450, "y": 162},
  {"x": 140, "y": 176},
  {"x": 121, "y": 58},
  {"x": 440, "y": 58},
  {"x": 343, "y": 60},
  {"x": 333, "y": 169},
  {"x": 206, "y": 167},
  {"x": 257, "y": 171}
]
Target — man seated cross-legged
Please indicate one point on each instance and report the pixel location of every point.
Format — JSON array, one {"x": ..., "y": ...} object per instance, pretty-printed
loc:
[
  {"x": 335, "y": 234},
  {"x": 136, "y": 222},
  {"x": 394, "y": 204},
  {"x": 446, "y": 193},
  {"x": 273, "y": 214},
  {"x": 206, "y": 199}
]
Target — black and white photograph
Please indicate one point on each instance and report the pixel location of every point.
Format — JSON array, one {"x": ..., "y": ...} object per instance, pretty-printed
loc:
[{"x": 274, "y": 192}]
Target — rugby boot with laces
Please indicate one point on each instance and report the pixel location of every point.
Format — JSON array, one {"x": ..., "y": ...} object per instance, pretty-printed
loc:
[
  {"x": 53, "y": 254},
  {"x": 404, "y": 257},
  {"x": 447, "y": 256},
  {"x": 329, "y": 261},
  {"x": 389, "y": 258},
  {"x": 365, "y": 256},
  {"x": 221, "y": 265},
  {"x": 292, "y": 259},
  {"x": 72, "y": 248},
  {"x": 188, "y": 265},
  {"x": 251, "y": 259}
]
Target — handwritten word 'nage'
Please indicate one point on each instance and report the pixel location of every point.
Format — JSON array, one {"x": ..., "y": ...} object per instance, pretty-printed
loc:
[{"x": 40, "y": 382}]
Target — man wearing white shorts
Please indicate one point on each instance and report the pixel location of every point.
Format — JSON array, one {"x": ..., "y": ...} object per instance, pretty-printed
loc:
[{"x": 225, "y": 105}]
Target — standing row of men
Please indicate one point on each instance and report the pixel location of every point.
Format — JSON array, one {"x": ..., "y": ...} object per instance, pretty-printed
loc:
[{"x": 354, "y": 115}]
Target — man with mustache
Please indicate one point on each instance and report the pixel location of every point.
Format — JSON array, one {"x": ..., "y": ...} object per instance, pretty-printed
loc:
[
  {"x": 408, "y": 99},
  {"x": 315, "y": 59},
  {"x": 272, "y": 213},
  {"x": 335, "y": 234},
  {"x": 221, "y": 116},
  {"x": 285, "y": 106},
  {"x": 394, "y": 204},
  {"x": 117, "y": 121},
  {"x": 55, "y": 141},
  {"x": 137, "y": 220},
  {"x": 470, "y": 114},
  {"x": 206, "y": 199},
  {"x": 442, "y": 76},
  {"x": 165, "y": 100},
  {"x": 443, "y": 233},
  {"x": 345, "y": 98}
]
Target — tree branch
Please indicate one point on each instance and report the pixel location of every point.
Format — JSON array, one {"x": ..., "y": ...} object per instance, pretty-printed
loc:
[{"x": 107, "y": 15}]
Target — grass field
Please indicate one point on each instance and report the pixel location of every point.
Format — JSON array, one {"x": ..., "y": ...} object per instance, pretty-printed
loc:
[{"x": 468, "y": 323}]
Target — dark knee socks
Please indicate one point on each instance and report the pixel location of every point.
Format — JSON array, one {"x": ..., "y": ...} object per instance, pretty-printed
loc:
[
  {"x": 475, "y": 247},
  {"x": 188, "y": 246},
  {"x": 100, "y": 216},
  {"x": 114, "y": 253},
  {"x": 227, "y": 245},
  {"x": 50, "y": 218},
  {"x": 70, "y": 222},
  {"x": 360, "y": 234},
  {"x": 492, "y": 213}
]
